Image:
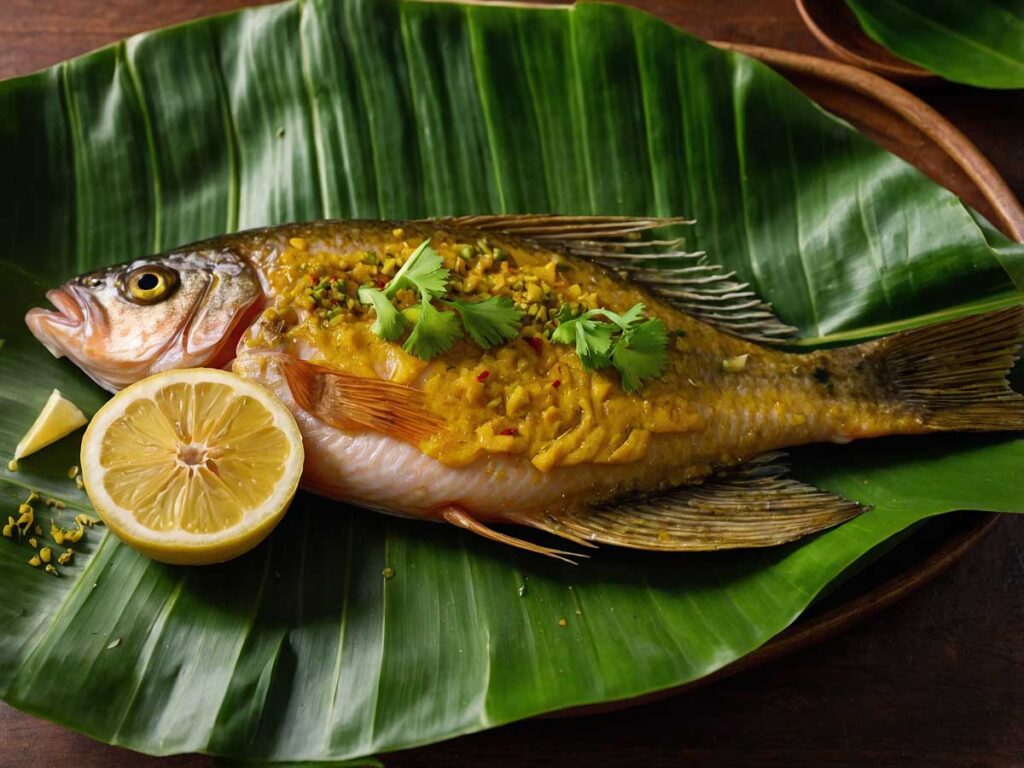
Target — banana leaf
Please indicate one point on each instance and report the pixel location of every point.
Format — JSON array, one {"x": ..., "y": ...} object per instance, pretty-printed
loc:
[
  {"x": 978, "y": 43},
  {"x": 302, "y": 650}
]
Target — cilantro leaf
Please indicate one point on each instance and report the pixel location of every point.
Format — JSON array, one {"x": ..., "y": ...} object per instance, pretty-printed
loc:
[
  {"x": 491, "y": 321},
  {"x": 389, "y": 324},
  {"x": 637, "y": 348},
  {"x": 592, "y": 338},
  {"x": 423, "y": 270},
  {"x": 631, "y": 316},
  {"x": 434, "y": 332},
  {"x": 640, "y": 353}
]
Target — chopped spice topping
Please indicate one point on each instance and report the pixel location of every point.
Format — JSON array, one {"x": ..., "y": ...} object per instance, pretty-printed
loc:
[
  {"x": 51, "y": 569},
  {"x": 66, "y": 556},
  {"x": 12, "y": 465},
  {"x": 482, "y": 376},
  {"x": 734, "y": 364}
]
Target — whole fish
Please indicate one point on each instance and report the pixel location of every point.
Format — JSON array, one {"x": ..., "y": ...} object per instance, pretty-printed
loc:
[{"x": 519, "y": 429}]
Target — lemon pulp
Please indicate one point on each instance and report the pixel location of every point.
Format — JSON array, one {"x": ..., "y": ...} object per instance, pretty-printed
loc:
[{"x": 192, "y": 466}]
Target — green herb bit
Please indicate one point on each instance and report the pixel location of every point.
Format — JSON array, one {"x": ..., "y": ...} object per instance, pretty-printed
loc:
[
  {"x": 635, "y": 347},
  {"x": 423, "y": 270},
  {"x": 639, "y": 353},
  {"x": 593, "y": 339},
  {"x": 434, "y": 332},
  {"x": 489, "y": 322},
  {"x": 389, "y": 324}
]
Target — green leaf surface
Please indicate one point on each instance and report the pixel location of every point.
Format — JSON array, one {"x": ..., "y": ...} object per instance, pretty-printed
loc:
[
  {"x": 489, "y": 322},
  {"x": 978, "y": 43},
  {"x": 301, "y": 651}
]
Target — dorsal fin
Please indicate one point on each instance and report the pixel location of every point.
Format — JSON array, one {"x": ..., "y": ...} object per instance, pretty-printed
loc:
[
  {"x": 346, "y": 401},
  {"x": 686, "y": 280},
  {"x": 754, "y": 505}
]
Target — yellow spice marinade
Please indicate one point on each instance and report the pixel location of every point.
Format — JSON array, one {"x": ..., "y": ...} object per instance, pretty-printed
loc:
[{"x": 721, "y": 400}]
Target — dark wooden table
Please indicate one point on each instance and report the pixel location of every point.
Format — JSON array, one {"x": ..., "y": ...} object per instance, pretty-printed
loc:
[{"x": 937, "y": 680}]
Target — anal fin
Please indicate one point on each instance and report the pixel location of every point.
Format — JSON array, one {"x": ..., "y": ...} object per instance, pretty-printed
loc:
[
  {"x": 756, "y": 505},
  {"x": 687, "y": 280},
  {"x": 346, "y": 401}
]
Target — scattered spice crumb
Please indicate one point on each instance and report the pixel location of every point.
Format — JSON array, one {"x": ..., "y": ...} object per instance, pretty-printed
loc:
[
  {"x": 52, "y": 570},
  {"x": 32, "y": 542},
  {"x": 556, "y": 383},
  {"x": 522, "y": 590},
  {"x": 34, "y": 561},
  {"x": 509, "y": 432},
  {"x": 388, "y": 572},
  {"x": 12, "y": 465},
  {"x": 73, "y": 472},
  {"x": 113, "y": 643},
  {"x": 734, "y": 364},
  {"x": 482, "y": 376},
  {"x": 563, "y": 623},
  {"x": 66, "y": 556},
  {"x": 45, "y": 554}
]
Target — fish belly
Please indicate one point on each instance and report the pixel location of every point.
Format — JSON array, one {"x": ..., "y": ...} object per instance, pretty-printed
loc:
[{"x": 385, "y": 474}]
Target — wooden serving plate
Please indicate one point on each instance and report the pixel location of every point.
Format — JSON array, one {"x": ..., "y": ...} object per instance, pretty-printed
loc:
[{"x": 837, "y": 28}]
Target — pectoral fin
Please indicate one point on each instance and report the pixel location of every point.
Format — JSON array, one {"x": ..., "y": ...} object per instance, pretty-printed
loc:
[
  {"x": 687, "y": 280},
  {"x": 346, "y": 401},
  {"x": 754, "y": 506}
]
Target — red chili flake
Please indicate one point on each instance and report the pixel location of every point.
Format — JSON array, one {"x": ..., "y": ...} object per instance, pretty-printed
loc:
[
  {"x": 509, "y": 431},
  {"x": 380, "y": 282},
  {"x": 482, "y": 376},
  {"x": 313, "y": 277},
  {"x": 535, "y": 342},
  {"x": 556, "y": 383}
]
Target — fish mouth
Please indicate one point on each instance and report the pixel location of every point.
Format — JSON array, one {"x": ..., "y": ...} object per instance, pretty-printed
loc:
[
  {"x": 48, "y": 325},
  {"x": 68, "y": 313}
]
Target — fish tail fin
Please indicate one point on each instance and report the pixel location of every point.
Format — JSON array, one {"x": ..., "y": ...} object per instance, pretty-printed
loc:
[{"x": 954, "y": 375}]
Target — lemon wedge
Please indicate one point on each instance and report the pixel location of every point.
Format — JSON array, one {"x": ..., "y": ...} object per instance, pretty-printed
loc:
[
  {"x": 192, "y": 466},
  {"x": 59, "y": 418}
]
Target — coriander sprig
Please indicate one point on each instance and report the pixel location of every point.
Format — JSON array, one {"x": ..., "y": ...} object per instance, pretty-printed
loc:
[
  {"x": 635, "y": 347},
  {"x": 488, "y": 322}
]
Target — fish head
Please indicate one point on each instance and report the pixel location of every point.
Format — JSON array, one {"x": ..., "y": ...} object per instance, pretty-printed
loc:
[{"x": 119, "y": 324}]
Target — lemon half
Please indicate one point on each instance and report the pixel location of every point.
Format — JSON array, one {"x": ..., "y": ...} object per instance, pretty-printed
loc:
[{"x": 192, "y": 466}]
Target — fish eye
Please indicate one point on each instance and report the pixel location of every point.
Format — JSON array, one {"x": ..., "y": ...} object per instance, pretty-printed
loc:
[{"x": 149, "y": 284}]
